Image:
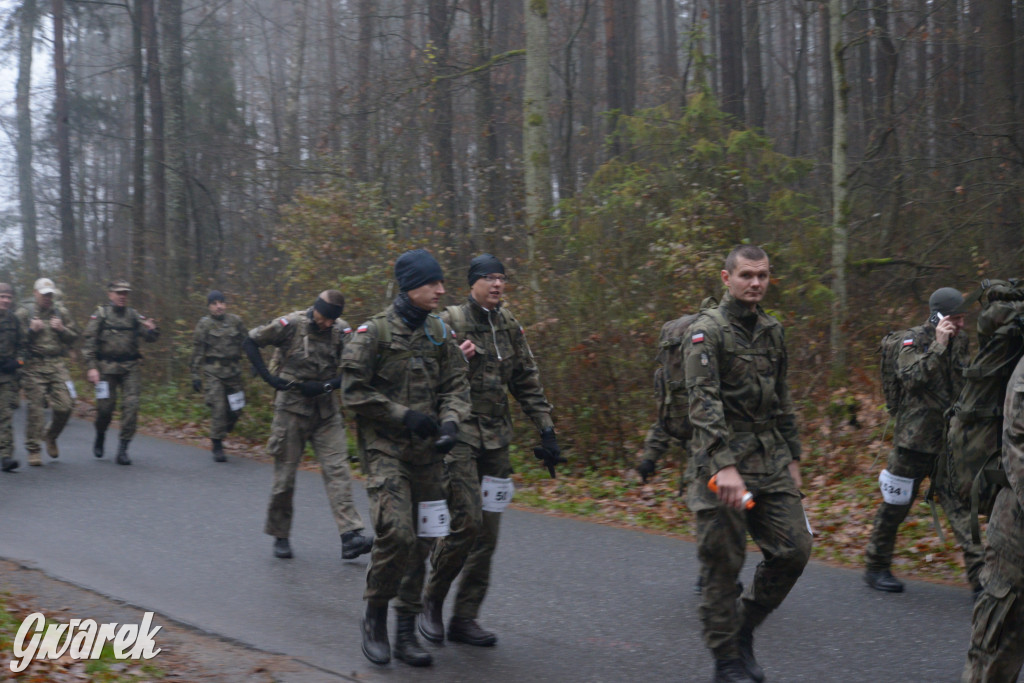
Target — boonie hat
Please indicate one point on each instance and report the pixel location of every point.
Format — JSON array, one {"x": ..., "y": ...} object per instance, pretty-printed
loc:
[{"x": 44, "y": 285}]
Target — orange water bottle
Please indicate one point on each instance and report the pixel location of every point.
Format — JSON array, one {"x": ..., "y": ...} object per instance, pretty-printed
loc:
[{"x": 748, "y": 497}]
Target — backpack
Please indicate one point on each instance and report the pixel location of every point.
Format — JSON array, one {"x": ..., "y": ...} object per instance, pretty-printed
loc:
[
  {"x": 435, "y": 328},
  {"x": 889, "y": 348},
  {"x": 670, "y": 379},
  {"x": 974, "y": 465}
]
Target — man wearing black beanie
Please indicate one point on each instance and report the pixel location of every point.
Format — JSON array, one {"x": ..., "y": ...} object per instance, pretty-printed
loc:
[
  {"x": 500, "y": 363},
  {"x": 405, "y": 379}
]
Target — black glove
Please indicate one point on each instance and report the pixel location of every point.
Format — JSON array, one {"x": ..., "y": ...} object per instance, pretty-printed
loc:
[
  {"x": 197, "y": 385},
  {"x": 421, "y": 424},
  {"x": 548, "y": 451},
  {"x": 279, "y": 383},
  {"x": 645, "y": 468},
  {"x": 447, "y": 441},
  {"x": 311, "y": 387},
  {"x": 9, "y": 365}
]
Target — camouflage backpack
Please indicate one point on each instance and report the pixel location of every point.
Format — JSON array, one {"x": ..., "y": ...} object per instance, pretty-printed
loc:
[
  {"x": 890, "y": 350},
  {"x": 670, "y": 379},
  {"x": 975, "y": 432}
]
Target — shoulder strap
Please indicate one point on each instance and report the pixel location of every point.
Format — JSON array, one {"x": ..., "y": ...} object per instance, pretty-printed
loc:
[{"x": 458, "y": 318}]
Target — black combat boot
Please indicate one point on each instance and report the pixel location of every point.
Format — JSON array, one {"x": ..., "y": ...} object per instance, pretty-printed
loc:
[
  {"x": 745, "y": 644},
  {"x": 375, "y": 633},
  {"x": 218, "y": 451},
  {"x": 354, "y": 544},
  {"x": 122, "y": 453},
  {"x": 97, "y": 445},
  {"x": 731, "y": 671},
  {"x": 462, "y": 630},
  {"x": 282, "y": 548},
  {"x": 9, "y": 464},
  {"x": 407, "y": 647},
  {"x": 430, "y": 621},
  {"x": 883, "y": 581}
]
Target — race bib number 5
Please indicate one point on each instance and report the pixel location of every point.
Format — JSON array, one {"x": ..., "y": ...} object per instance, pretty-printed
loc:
[
  {"x": 895, "y": 490},
  {"x": 496, "y": 493},
  {"x": 434, "y": 521}
]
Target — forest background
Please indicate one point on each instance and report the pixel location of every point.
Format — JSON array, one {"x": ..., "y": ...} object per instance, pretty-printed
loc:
[{"x": 610, "y": 152}]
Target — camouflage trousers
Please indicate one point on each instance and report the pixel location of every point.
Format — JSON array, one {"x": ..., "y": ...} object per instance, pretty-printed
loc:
[
  {"x": 44, "y": 384},
  {"x": 996, "y": 653},
  {"x": 215, "y": 394},
  {"x": 916, "y": 465},
  {"x": 398, "y": 561},
  {"x": 289, "y": 434},
  {"x": 8, "y": 399},
  {"x": 470, "y": 547},
  {"x": 778, "y": 526},
  {"x": 129, "y": 385}
]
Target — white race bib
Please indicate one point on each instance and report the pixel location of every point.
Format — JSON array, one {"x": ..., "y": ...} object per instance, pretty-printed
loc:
[
  {"x": 496, "y": 493},
  {"x": 434, "y": 521},
  {"x": 236, "y": 401},
  {"x": 71, "y": 389},
  {"x": 895, "y": 490},
  {"x": 102, "y": 390}
]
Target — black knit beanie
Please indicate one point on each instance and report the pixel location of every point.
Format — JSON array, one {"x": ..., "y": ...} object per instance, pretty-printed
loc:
[{"x": 416, "y": 268}]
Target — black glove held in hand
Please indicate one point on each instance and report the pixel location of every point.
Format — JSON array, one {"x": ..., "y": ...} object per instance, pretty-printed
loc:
[
  {"x": 645, "y": 468},
  {"x": 311, "y": 388},
  {"x": 197, "y": 385},
  {"x": 548, "y": 451},
  {"x": 9, "y": 366},
  {"x": 421, "y": 424},
  {"x": 446, "y": 443}
]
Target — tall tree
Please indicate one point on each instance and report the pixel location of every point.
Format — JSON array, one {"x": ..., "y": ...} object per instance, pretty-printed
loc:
[
  {"x": 157, "y": 188},
  {"x": 439, "y": 24},
  {"x": 536, "y": 157},
  {"x": 27, "y": 17},
  {"x": 730, "y": 37},
  {"x": 361, "y": 128},
  {"x": 755, "y": 79},
  {"x": 840, "y": 196},
  {"x": 62, "y": 111},
  {"x": 176, "y": 240},
  {"x": 137, "y": 252}
]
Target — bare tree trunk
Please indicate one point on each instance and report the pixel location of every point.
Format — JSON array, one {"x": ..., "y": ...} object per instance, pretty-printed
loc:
[
  {"x": 292, "y": 151},
  {"x": 361, "y": 132},
  {"x": 334, "y": 91},
  {"x": 536, "y": 159},
  {"x": 158, "y": 180},
  {"x": 27, "y": 18},
  {"x": 840, "y": 200},
  {"x": 443, "y": 153},
  {"x": 670, "y": 18},
  {"x": 588, "y": 91},
  {"x": 489, "y": 209},
  {"x": 137, "y": 251},
  {"x": 176, "y": 242},
  {"x": 730, "y": 36},
  {"x": 68, "y": 246},
  {"x": 755, "y": 77}
]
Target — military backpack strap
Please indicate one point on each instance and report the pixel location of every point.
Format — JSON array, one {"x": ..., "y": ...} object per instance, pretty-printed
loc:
[
  {"x": 458, "y": 318},
  {"x": 992, "y": 476}
]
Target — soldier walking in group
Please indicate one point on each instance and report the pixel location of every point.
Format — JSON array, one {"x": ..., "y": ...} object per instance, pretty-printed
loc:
[
  {"x": 112, "y": 357},
  {"x": 746, "y": 440},
  {"x": 405, "y": 379},
  {"x": 50, "y": 332},
  {"x": 478, "y": 467},
  {"x": 305, "y": 411},
  {"x": 12, "y": 348},
  {"x": 996, "y": 652},
  {"x": 929, "y": 371},
  {"x": 216, "y": 370}
]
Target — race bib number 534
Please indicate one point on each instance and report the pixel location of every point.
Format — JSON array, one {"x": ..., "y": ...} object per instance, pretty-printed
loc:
[{"x": 895, "y": 490}]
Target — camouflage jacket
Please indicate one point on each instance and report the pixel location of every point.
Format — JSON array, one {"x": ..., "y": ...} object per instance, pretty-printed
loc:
[
  {"x": 217, "y": 346},
  {"x": 47, "y": 342},
  {"x": 503, "y": 364},
  {"x": 1006, "y": 523},
  {"x": 307, "y": 353},
  {"x": 12, "y": 343},
  {"x": 930, "y": 375},
  {"x": 740, "y": 407},
  {"x": 112, "y": 339},
  {"x": 413, "y": 371}
]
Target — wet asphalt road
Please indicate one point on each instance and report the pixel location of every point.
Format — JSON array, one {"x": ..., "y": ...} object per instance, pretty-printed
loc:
[{"x": 570, "y": 600}]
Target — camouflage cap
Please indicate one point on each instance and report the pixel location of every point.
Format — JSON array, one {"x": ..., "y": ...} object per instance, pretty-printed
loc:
[{"x": 119, "y": 285}]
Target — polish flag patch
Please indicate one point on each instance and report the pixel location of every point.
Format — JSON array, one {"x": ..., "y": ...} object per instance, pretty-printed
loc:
[
  {"x": 362, "y": 328},
  {"x": 697, "y": 338},
  {"x": 347, "y": 330},
  {"x": 908, "y": 342},
  {"x": 283, "y": 321}
]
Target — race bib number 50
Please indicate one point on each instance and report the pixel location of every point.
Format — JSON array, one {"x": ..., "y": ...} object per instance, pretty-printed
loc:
[
  {"x": 895, "y": 490},
  {"x": 496, "y": 493},
  {"x": 433, "y": 520}
]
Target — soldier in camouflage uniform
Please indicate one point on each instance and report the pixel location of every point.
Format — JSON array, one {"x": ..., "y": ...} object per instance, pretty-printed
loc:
[
  {"x": 930, "y": 365},
  {"x": 12, "y": 348},
  {"x": 746, "y": 437},
  {"x": 997, "y": 639},
  {"x": 500, "y": 363},
  {"x": 216, "y": 352},
  {"x": 112, "y": 355},
  {"x": 405, "y": 379},
  {"x": 305, "y": 410},
  {"x": 50, "y": 331}
]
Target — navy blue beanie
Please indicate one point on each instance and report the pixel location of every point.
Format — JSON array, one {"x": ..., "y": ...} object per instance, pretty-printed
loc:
[
  {"x": 416, "y": 268},
  {"x": 482, "y": 265},
  {"x": 215, "y": 295}
]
